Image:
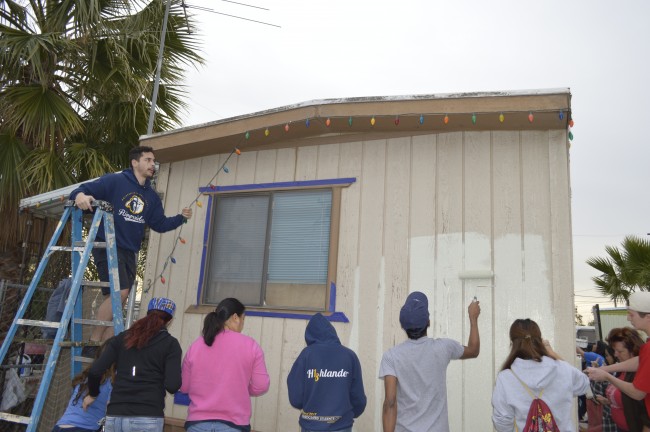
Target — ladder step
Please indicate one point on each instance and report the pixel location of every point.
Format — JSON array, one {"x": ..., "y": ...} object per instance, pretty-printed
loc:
[
  {"x": 67, "y": 248},
  {"x": 15, "y": 418},
  {"x": 83, "y": 359},
  {"x": 95, "y": 284},
  {"x": 93, "y": 322},
  {"x": 72, "y": 344},
  {"x": 95, "y": 244},
  {"x": 35, "y": 323}
]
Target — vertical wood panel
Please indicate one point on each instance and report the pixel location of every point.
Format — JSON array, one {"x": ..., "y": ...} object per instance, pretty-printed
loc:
[
  {"x": 396, "y": 237},
  {"x": 536, "y": 228},
  {"x": 478, "y": 374},
  {"x": 561, "y": 244},
  {"x": 506, "y": 187},
  {"x": 371, "y": 267},
  {"x": 448, "y": 303}
]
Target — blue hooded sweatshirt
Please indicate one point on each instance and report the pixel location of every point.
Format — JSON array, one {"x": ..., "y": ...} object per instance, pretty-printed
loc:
[
  {"x": 133, "y": 206},
  {"x": 325, "y": 381}
]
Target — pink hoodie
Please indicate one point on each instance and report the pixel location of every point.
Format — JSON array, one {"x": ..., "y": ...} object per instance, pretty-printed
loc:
[{"x": 221, "y": 379}]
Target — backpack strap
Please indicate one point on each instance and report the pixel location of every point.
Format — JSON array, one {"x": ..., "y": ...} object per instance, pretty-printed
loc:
[{"x": 530, "y": 392}]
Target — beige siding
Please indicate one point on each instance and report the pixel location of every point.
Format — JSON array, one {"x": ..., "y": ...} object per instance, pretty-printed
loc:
[{"x": 423, "y": 209}]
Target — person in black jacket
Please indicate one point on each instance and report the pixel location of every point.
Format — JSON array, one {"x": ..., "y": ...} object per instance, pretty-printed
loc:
[{"x": 147, "y": 362}]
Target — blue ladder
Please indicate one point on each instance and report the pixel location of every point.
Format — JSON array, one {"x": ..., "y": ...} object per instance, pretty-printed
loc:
[{"x": 73, "y": 309}]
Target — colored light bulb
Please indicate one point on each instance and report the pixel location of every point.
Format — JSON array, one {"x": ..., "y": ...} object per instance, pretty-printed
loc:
[
  {"x": 198, "y": 203},
  {"x": 396, "y": 121},
  {"x": 237, "y": 151},
  {"x": 181, "y": 239},
  {"x": 213, "y": 187},
  {"x": 350, "y": 121},
  {"x": 173, "y": 260},
  {"x": 286, "y": 127},
  {"x": 247, "y": 135},
  {"x": 561, "y": 115},
  {"x": 421, "y": 119},
  {"x": 372, "y": 121},
  {"x": 226, "y": 169},
  {"x": 530, "y": 117},
  {"x": 38, "y": 205},
  {"x": 328, "y": 122},
  {"x": 571, "y": 135},
  {"x": 307, "y": 123},
  {"x": 473, "y": 118},
  {"x": 501, "y": 117},
  {"x": 571, "y": 123},
  {"x": 446, "y": 119},
  {"x": 267, "y": 132},
  {"x": 162, "y": 279}
]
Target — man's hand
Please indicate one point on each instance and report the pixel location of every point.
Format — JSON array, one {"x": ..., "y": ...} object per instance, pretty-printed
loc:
[
  {"x": 474, "y": 310},
  {"x": 186, "y": 213},
  {"x": 83, "y": 201},
  {"x": 88, "y": 400}
]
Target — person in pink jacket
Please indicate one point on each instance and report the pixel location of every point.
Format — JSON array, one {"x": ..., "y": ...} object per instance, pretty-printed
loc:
[{"x": 222, "y": 369}]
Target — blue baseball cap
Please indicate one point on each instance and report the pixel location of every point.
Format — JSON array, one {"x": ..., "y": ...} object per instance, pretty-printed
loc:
[
  {"x": 415, "y": 312},
  {"x": 162, "y": 304}
]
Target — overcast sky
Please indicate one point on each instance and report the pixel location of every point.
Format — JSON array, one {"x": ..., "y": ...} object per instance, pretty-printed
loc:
[{"x": 347, "y": 48}]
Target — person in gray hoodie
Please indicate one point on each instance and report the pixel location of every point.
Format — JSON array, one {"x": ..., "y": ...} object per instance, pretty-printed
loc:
[
  {"x": 325, "y": 381},
  {"x": 532, "y": 361}
]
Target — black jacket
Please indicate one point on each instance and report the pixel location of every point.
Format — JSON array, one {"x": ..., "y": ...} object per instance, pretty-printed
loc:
[{"x": 142, "y": 375}]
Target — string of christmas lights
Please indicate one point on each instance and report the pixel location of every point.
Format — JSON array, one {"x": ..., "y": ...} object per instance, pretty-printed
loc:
[
  {"x": 327, "y": 122},
  {"x": 179, "y": 239}
]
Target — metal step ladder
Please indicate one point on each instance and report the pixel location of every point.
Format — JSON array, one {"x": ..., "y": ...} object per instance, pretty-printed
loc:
[{"x": 72, "y": 313}]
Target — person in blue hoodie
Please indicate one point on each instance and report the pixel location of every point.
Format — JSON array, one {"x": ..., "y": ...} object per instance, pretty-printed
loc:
[
  {"x": 325, "y": 382},
  {"x": 135, "y": 203}
]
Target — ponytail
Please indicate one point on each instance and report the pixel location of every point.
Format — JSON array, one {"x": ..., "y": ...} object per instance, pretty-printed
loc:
[{"x": 215, "y": 321}]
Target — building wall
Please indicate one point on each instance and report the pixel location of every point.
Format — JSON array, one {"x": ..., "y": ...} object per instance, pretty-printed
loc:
[{"x": 423, "y": 209}]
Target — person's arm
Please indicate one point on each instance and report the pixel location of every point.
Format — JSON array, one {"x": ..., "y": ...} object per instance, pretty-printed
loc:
[
  {"x": 296, "y": 382},
  {"x": 599, "y": 374},
  {"x": 85, "y": 194},
  {"x": 186, "y": 371},
  {"x": 503, "y": 415},
  {"x": 260, "y": 381},
  {"x": 357, "y": 394},
  {"x": 389, "y": 414},
  {"x": 160, "y": 223},
  {"x": 629, "y": 365},
  {"x": 551, "y": 352},
  {"x": 173, "y": 368},
  {"x": 473, "y": 347}
]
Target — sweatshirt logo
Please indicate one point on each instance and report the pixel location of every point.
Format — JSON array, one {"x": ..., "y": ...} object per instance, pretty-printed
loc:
[
  {"x": 134, "y": 203},
  {"x": 316, "y": 374}
]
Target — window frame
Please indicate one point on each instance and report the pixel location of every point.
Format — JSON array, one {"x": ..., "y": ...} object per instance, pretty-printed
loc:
[{"x": 329, "y": 310}]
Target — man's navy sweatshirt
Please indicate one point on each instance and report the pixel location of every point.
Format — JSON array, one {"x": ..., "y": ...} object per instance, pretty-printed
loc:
[
  {"x": 325, "y": 381},
  {"x": 133, "y": 206}
]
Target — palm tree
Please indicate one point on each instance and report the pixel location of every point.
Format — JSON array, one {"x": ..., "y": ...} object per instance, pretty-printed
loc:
[
  {"x": 76, "y": 78},
  {"x": 624, "y": 270}
]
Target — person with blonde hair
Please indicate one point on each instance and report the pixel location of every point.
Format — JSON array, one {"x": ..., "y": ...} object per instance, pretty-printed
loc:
[{"x": 532, "y": 366}]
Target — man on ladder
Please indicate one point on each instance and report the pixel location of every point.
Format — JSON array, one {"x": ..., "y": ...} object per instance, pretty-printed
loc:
[{"x": 134, "y": 204}]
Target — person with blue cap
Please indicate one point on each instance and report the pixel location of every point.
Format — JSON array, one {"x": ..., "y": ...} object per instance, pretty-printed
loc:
[
  {"x": 415, "y": 371},
  {"x": 147, "y": 363}
]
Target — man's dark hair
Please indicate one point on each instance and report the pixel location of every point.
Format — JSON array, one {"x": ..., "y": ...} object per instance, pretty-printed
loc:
[
  {"x": 136, "y": 152},
  {"x": 416, "y": 333}
]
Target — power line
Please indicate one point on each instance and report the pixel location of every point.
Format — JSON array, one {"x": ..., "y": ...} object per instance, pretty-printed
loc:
[{"x": 205, "y": 9}]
